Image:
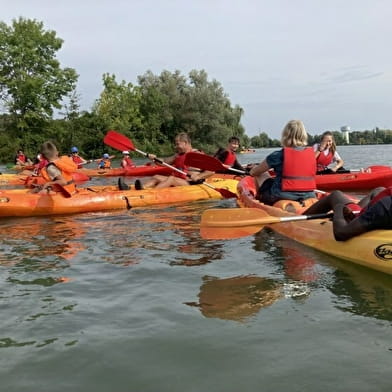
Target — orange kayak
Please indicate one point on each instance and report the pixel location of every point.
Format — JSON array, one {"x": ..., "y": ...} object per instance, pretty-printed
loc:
[
  {"x": 136, "y": 171},
  {"x": 19, "y": 202},
  {"x": 22, "y": 179}
]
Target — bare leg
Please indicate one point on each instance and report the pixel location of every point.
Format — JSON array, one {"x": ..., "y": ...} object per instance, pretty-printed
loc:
[
  {"x": 342, "y": 229},
  {"x": 172, "y": 181},
  {"x": 328, "y": 203}
]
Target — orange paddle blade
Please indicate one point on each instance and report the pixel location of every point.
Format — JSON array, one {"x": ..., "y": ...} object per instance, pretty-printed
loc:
[
  {"x": 225, "y": 223},
  {"x": 228, "y": 233}
]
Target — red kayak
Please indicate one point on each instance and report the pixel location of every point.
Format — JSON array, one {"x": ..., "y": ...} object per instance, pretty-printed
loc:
[
  {"x": 136, "y": 171},
  {"x": 372, "y": 177}
]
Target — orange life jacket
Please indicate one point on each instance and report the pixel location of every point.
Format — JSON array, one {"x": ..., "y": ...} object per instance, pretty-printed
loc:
[
  {"x": 299, "y": 170},
  {"x": 104, "y": 164},
  {"x": 324, "y": 160},
  {"x": 67, "y": 166}
]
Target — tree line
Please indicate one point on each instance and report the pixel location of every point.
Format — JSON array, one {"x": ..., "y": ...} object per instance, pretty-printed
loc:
[
  {"x": 33, "y": 86},
  {"x": 39, "y": 101}
]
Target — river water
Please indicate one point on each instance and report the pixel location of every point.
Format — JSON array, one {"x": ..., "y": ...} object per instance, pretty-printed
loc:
[{"x": 137, "y": 301}]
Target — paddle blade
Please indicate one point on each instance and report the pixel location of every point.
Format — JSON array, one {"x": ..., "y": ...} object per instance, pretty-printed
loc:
[
  {"x": 118, "y": 141},
  {"x": 227, "y": 223},
  {"x": 203, "y": 161},
  {"x": 228, "y": 233},
  {"x": 226, "y": 194}
]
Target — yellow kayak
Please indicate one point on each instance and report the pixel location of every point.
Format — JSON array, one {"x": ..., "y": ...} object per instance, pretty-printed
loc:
[{"x": 372, "y": 249}]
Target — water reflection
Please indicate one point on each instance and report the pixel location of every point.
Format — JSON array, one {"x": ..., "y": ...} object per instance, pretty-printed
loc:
[
  {"x": 31, "y": 240},
  {"x": 240, "y": 297},
  {"x": 237, "y": 298},
  {"x": 183, "y": 222},
  {"x": 358, "y": 290}
]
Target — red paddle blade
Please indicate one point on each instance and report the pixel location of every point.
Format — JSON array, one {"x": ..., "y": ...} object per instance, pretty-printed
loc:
[
  {"x": 226, "y": 194},
  {"x": 203, "y": 161},
  {"x": 118, "y": 141}
]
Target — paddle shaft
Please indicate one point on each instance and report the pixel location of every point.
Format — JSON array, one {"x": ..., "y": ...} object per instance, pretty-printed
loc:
[{"x": 259, "y": 221}]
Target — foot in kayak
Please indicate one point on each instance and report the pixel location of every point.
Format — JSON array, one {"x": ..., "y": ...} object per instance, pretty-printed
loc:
[
  {"x": 138, "y": 185},
  {"x": 122, "y": 186}
]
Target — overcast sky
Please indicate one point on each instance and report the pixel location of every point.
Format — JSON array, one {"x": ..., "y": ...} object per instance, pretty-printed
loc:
[{"x": 328, "y": 63}]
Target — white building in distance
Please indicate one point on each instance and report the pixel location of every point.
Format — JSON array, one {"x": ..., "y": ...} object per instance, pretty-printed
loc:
[{"x": 346, "y": 130}]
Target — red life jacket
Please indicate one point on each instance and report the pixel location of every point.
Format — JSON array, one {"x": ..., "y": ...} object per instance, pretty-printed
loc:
[
  {"x": 386, "y": 192},
  {"x": 21, "y": 157},
  {"x": 67, "y": 166},
  {"x": 179, "y": 163},
  {"x": 77, "y": 160},
  {"x": 299, "y": 170},
  {"x": 324, "y": 160},
  {"x": 128, "y": 162},
  {"x": 230, "y": 158}
]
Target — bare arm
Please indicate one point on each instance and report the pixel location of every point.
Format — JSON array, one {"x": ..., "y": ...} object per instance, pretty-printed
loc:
[{"x": 259, "y": 169}]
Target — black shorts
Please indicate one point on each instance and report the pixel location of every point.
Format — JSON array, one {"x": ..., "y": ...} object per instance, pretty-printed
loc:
[
  {"x": 264, "y": 194},
  {"x": 378, "y": 215}
]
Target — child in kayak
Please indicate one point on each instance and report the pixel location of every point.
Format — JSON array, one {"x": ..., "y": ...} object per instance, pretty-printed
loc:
[
  {"x": 104, "y": 162},
  {"x": 373, "y": 212},
  {"x": 126, "y": 161},
  {"x": 326, "y": 155},
  {"x": 77, "y": 158},
  {"x": 58, "y": 170},
  {"x": 294, "y": 165},
  {"x": 228, "y": 155},
  {"x": 21, "y": 159}
]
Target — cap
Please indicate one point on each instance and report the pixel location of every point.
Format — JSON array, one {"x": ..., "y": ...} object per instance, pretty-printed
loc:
[
  {"x": 106, "y": 156},
  {"x": 74, "y": 149},
  {"x": 125, "y": 152}
]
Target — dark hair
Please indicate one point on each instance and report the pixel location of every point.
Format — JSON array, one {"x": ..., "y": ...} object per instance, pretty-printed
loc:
[{"x": 234, "y": 139}]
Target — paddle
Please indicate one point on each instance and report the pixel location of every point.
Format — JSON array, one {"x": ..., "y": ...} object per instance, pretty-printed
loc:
[
  {"x": 207, "y": 162},
  {"x": 226, "y": 223},
  {"x": 120, "y": 142}
]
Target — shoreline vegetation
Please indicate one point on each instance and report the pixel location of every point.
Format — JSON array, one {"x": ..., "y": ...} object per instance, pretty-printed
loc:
[{"x": 40, "y": 102}]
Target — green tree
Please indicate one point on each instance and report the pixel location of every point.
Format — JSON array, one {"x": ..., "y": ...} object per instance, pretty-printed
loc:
[
  {"x": 32, "y": 83},
  {"x": 118, "y": 106}
]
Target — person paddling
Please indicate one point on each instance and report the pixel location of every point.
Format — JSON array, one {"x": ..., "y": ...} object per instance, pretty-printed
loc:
[
  {"x": 183, "y": 145},
  {"x": 372, "y": 212},
  {"x": 105, "y": 162},
  {"x": 77, "y": 158}
]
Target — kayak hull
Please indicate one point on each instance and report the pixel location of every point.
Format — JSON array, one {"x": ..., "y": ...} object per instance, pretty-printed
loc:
[
  {"x": 101, "y": 198},
  {"x": 354, "y": 181},
  {"x": 21, "y": 179},
  {"x": 136, "y": 171},
  {"x": 372, "y": 249}
]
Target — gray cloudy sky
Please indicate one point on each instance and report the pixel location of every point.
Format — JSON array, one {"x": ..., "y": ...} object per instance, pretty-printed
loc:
[{"x": 328, "y": 63}]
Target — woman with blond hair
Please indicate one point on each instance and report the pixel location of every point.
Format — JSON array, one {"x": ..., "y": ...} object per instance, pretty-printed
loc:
[{"x": 294, "y": 166}]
